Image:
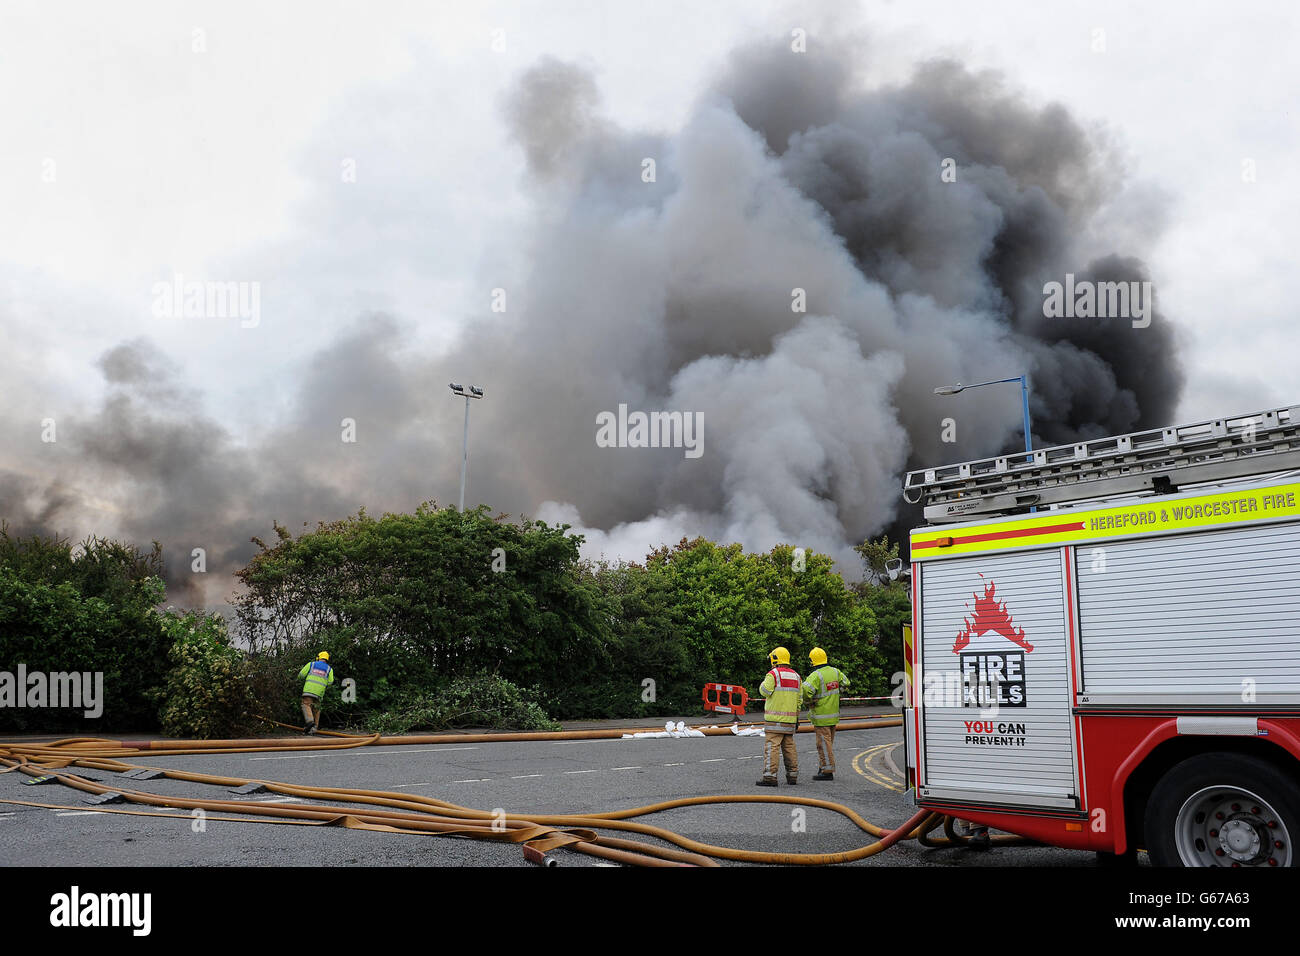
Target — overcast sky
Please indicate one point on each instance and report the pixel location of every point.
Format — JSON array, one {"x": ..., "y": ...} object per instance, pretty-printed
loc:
[{"x": 354, "y": 159}]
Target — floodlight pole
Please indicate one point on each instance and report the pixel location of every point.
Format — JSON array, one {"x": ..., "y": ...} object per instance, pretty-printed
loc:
[{"x": 473, "y": 392}]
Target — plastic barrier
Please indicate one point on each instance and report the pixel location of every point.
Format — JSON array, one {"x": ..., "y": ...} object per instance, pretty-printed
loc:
[{"x": 725, "y": 698}]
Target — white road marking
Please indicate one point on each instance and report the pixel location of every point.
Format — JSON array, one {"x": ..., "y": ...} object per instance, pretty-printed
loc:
[
  {"x": 294, "y": 757},
  {"x": 79, "y": 813},
  {"x": 532, "y": 776},
  {"x": 276, "y": 800},
  {"x": 371, "y": 753}
]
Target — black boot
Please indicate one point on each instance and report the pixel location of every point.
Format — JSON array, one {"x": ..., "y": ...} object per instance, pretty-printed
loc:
[
  {"x": 824, "y": 776},
  {"x": 792, "y": 780},
  {"x": 766, "y": 782}
]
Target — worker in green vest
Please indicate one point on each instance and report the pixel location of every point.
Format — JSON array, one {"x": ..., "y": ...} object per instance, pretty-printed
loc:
[
  {"x": 822, "y": 691},
  {"x": 781, "y": 688},
  {"x": 319, "y": 675}
]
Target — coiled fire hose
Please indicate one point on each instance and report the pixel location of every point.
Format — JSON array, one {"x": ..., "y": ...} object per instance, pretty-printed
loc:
[{"x": 415, "y": 814}]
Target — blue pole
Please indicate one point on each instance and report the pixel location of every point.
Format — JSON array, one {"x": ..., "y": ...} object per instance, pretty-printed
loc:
[
  {"x": 1029, "y": 445},
  {"x": 1024, "y": 397}
]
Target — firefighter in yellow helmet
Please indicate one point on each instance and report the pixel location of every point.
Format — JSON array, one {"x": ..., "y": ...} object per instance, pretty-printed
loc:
[
  {"x": 318, "y": 675},
  {"x": 822, "y": 690},
  {"x": 781, "y": 688}
]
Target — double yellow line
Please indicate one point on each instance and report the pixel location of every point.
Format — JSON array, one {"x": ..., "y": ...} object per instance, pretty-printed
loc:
[{"x": 870, "y": 764}]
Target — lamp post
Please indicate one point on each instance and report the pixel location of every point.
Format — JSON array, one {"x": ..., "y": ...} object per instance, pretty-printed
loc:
[
  {"x": 1024, "y": 399},
  {"x": 474, "y": 392}
]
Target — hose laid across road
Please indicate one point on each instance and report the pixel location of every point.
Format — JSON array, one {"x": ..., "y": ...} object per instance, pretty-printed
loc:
[
  {"x": 103, "y": 747},
  {"x": 415, "y": 814}
]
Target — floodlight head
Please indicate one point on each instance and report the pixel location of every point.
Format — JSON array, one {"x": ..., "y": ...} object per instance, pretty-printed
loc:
[
  {"x": 949, "y": 389},
  {"x": 476, "y": 390},
  {"x": 456, "y": 388}
]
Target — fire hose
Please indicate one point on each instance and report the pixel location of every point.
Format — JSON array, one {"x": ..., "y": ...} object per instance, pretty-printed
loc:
[{"x": 414, "y": 814}]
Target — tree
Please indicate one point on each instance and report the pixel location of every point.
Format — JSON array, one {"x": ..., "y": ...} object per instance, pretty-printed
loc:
[
  {"x": 406, "y": 601},
  {"x": 207, "y": 694},
  {"x": 889, "y": 601},
  {"x": 876, "y": 556},
  {"x": 88, "y": 610},
  {"x": 713, "y": 613}
]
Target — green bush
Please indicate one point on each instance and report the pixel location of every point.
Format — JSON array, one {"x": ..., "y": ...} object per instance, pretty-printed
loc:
[
  {"x": 434, "y": 620},
  {"x": 274, "y": 690},
  {"x": 701, "y": 612},
  {"x": 434, "y": 592},
  {"x": 487, "y": 700},
  {"x": 889, "y": 602},
  {"x": 376, "y": 676},
  {"x": 207, "y": 692},
  {"x": 88, "y": 609}
]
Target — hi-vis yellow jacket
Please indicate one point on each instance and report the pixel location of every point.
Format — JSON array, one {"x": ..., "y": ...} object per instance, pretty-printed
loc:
[
  {"x": 319, "y": 675},
  {"x": 823, "y": 688},
  {"x": 781, "y": 687}
]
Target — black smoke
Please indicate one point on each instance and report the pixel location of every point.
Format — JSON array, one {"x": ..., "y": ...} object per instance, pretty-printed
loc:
[{"x": 794, "y": 171}]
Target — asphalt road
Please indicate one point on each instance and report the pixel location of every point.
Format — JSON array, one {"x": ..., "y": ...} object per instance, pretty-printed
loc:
[{"x": 550, "y": 776}]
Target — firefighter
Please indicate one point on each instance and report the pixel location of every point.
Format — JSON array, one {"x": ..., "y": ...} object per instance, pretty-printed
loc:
[
  {"x": 781, "y": 688},
  {"x": 979, "y": 836},
  {"x": 822, "y": 690},
  {"x": 319, "y": 675}
]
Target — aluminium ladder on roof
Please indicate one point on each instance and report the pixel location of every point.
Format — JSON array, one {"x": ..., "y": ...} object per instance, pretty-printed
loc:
[{"x": 1155, "y": 461}]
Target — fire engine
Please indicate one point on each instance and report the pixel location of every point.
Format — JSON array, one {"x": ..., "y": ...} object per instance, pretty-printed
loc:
[{"x": 1105, "y": 643}]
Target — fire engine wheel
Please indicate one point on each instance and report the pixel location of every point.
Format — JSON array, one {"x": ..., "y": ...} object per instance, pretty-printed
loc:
[{"x": 1223, "y": 810}]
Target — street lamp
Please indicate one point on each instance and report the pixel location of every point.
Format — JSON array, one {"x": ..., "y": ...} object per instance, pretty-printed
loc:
[
  {"x": 1024, "y": 398},
  {"x": 474, "y": 392}
]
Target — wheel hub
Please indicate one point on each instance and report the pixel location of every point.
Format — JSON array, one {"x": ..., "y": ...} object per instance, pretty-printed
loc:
[
  {"x": 1229, "y": 826},
  {"x": 1240, "y": 840}
]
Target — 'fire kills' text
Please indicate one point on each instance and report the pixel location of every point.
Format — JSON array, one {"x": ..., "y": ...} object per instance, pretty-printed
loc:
[{"x": 993, "y": 679}]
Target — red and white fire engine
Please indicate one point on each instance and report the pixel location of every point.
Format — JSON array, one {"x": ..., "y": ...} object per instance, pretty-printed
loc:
[{"x": 1105, "y": 643}]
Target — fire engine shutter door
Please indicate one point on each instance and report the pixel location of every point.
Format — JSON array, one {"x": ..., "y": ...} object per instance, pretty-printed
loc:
[
  {"x": 1208, "y": 617},
  {"x": 1021, "y": 751}
]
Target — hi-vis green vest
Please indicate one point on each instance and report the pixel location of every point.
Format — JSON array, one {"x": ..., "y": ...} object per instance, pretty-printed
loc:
[
  {"x": 781, "y": 688},
  {"x": 823, "y": 688},
  {"x": 319, "y": 676}
]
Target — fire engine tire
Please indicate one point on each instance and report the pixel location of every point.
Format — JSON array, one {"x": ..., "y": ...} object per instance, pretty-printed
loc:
[{"x": 1223, "y": 809}]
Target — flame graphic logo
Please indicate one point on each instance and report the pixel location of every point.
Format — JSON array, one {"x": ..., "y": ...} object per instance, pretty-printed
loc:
[{"x": 990, "y": 615}]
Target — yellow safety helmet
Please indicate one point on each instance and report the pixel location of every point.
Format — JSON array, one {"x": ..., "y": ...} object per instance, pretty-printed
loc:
[
  {"x": 818, "y": 657},
  {"x": 323, "y": 656},
  {"x": 779, "y": 656}
]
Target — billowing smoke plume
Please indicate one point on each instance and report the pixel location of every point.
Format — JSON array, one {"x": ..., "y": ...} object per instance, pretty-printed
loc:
[
  {"x": 681, "y": 294},
  {"x": 799, "y": 266}
]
